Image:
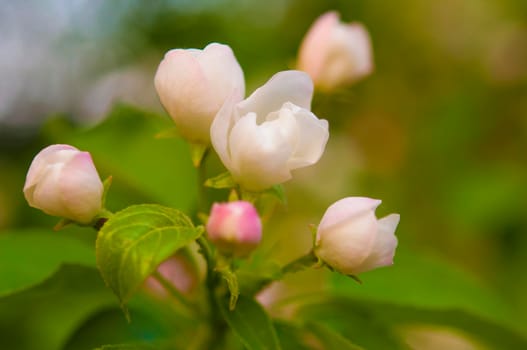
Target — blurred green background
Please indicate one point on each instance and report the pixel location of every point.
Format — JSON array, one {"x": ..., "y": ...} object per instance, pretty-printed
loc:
[{"x": 438, "y": 132}]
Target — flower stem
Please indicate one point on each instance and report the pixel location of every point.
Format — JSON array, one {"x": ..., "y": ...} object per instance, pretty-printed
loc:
[{"x": 301, "y": 263}]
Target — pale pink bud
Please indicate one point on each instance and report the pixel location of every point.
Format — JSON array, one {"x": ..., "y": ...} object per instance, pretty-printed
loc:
[
  {"x": 193, "y": 85},
  {"x": 62, "y": 181},
  {"x": 335, "y": 54},
  {"x": 234, "y": 227},
  {"x": 352, "y": 240}
]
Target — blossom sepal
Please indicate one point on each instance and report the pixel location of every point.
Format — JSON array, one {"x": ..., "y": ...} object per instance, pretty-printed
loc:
[{"x": 223, "y": 180}]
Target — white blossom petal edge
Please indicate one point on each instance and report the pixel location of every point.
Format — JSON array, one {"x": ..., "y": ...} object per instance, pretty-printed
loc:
[{"x": 262, "y": 138}]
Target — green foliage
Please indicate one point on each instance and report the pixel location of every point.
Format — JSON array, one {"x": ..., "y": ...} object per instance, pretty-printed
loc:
[
  {"x": 44, "y": 316},
  {"x": 127, "y": 347},
  {"x": 376, "y": 325},
  {"x": 134, "y": 241},
  {"x": 251, "y": 324},
  {"x": 427, "y": 283},
  {"x": 27, "y": 258},
  {"x": 232, "y": 283},
  {"x": 330, "y": 338}
]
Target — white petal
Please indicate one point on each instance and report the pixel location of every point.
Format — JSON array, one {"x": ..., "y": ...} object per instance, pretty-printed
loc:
[
  {"x": 313, "y": 136},
  {"x": 384, "y": 247},
  {"x": 184, "y": 92},
  {"x": 259, "y": 153},
  {"x": 345, "y": 209},
  {"x": 221, "y": 128},
  {"x": 80, "y": 188},
  {"x": 223, "y": 73},
  {"x": 358, "y": 44},
  {"x": 45, "y": 194},
  {"x": 347, "y": 245},
  {"x": 287, "y": 86},
  {"x": 45, "y": 157}
]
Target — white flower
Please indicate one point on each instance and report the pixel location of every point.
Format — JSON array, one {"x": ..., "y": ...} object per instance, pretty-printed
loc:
[
  {"x": 261, "y": 139},
  {"x": 352, "y": 240},
  {"x": 62, "y": 181},
  {"x": 334, "y": 53},
  {"x": 193, "y": 85}
]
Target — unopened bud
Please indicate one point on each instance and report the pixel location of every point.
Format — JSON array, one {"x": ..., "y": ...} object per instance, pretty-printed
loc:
[{"x": 234, "y": 227}]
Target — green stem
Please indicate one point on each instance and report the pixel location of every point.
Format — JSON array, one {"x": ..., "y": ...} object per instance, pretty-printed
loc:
[
  {"x": 189, "y": 307},
  {"x": 217, "y": 323},
  {"x": 202, "y": 175},
  {"x": 301, "y": 263}
]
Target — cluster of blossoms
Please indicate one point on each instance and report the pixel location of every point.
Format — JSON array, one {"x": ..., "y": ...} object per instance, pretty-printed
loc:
[{"x": 260, "y": 139}]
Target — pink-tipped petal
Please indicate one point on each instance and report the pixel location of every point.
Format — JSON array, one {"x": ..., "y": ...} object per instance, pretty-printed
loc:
[
  {"x": 81, "y": 188},
  {"x": 383, "y": 249},
  {"x": 315, "y": 43}
]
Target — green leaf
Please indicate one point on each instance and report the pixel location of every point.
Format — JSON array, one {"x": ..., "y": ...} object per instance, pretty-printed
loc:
[
  {"x": 422, "y": 281},
  {"x": 330, "y": 338},
  {"x": 291, "y": 336},
  {"x": 44, "y": 317},
  {"x": 28, "y": 258},
  {"x": 232, "y": 283},
  {"x": 251, "y": 324},
  {"x": 134, "y": 241},
  {"x": 126, "y": 347},
  {"x": 223, "y": 180},
  {"x": 376, "y": 325}
]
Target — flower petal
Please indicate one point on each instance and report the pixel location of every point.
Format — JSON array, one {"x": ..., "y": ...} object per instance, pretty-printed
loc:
[
  {"x": 347, "y": 245},
  {"x": 221, "y": 127},
  {"x": 312, "y": 138},
  {"x": 385, "y": 243},
  {"x": 311, "y": 56},
  {"x": 223, "y": 73},
  {"x": 48, "y": 155},
  {"x": 184, "y": 92},
  {"x": 287, "y": 86},
  {"x": 259, "y": 153},
  {"x": 345, "y": 209},
  {"x": 80, "y": 188}
]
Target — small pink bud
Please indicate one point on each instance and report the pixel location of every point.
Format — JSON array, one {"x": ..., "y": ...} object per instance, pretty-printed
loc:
[
  {"x": 62, "y": 181},
  {"x": 352, "y": 240},
  {"x": 234, "y": 227}
]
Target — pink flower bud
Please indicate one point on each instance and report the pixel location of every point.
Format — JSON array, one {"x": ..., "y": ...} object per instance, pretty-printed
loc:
[
  {"x": 193, "y": 85},
  {"x": 352, "y": 240},
  {"x": 62, "y": 181},
  {"x": 234, "y": 227},
  {"x": 335, "y": 54}
]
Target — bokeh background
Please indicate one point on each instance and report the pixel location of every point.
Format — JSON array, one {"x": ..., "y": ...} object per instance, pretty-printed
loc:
[{"x": 438, "y": 132}]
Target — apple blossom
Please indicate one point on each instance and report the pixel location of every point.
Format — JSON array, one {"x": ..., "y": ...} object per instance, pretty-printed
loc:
[
  {"x": 351, "y": 240},
  {"x": 193, "y": 85},
  {"x": 262, "y": 138},
  {"x": 334, "y": 53},
  {"x": 234, "y": 227},
  {"x": 62, "y": 181}
]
